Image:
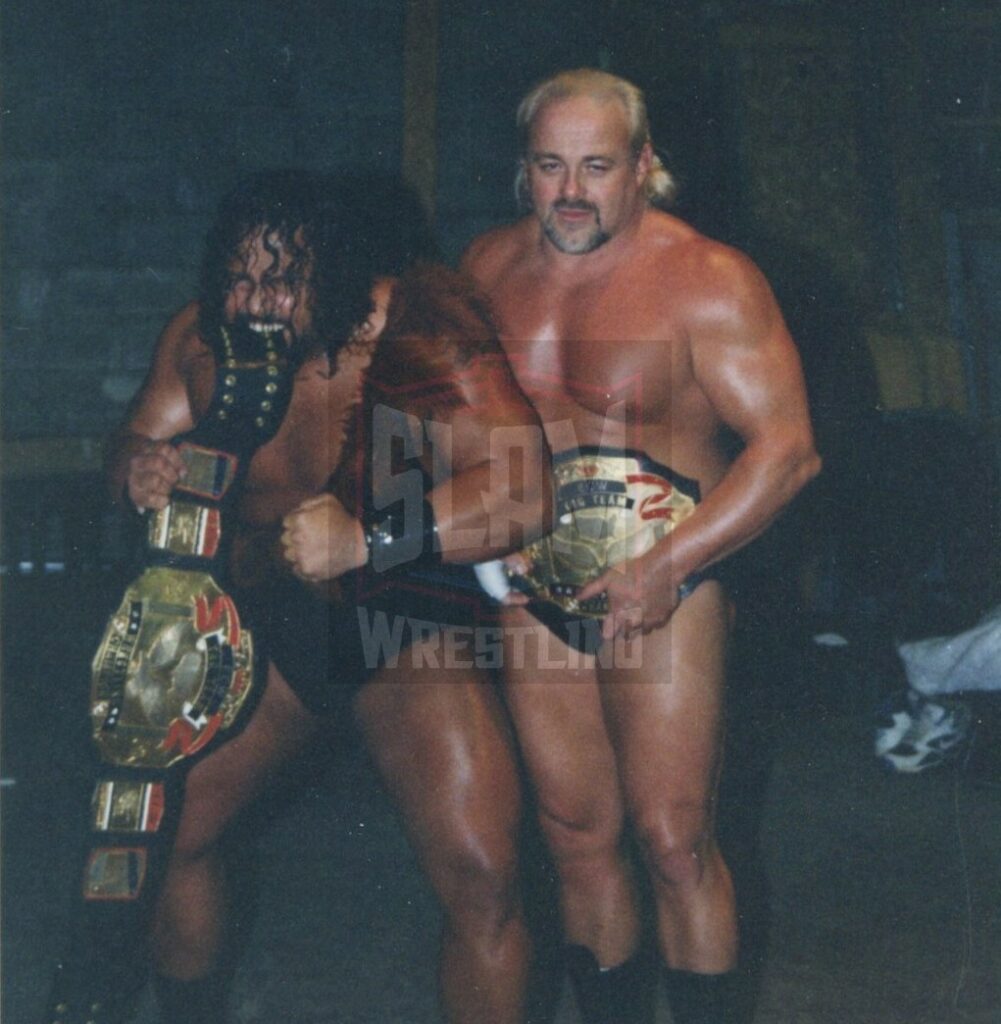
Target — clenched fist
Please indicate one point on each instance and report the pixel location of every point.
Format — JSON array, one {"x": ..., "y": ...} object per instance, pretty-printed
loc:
[{"x": 322, "y": 540}]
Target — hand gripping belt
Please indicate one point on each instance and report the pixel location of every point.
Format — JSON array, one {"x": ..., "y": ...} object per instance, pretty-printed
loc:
[{"x": 612, "y": 505}]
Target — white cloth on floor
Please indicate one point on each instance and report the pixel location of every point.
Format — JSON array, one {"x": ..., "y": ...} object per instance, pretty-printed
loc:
[{"x": 952, "y": 664}]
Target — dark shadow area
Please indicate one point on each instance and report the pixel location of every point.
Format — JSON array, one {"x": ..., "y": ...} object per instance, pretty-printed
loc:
[
  {"x": 392, "y": 220},
  {"x": 769, "y": 684},
  {"x": 895, "y": 540}
]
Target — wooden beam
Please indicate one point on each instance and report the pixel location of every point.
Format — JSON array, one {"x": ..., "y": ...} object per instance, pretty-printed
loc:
[{"x": 420, "y": 100}]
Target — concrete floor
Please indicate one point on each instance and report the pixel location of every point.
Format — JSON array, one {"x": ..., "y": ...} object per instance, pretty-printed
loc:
[{"x": 868, "y": 898}]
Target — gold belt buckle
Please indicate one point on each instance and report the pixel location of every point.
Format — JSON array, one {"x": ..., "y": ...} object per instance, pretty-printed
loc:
[
  {"x": 174, "y": 667},
  {"x": 609, "y": 508}
]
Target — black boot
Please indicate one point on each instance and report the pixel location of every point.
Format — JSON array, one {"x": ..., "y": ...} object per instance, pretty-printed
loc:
[
  {"x": 198, "y": 1001},
  {"x": 618, "y": 995},
  {"x": 701, "y": 998}
]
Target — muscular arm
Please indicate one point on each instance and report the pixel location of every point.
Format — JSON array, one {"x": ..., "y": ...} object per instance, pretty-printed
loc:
[
  {"x": 140, "y": 466},
  {"x": 486, "y": 454},
  {"x": 746, "y": 366},
  {"x": 439, "y": 378}
]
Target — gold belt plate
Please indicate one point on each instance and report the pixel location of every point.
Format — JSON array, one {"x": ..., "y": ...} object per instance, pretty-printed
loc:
[
  {"x": 609, "y": 508},
  {"x": 174, "y": 668}
]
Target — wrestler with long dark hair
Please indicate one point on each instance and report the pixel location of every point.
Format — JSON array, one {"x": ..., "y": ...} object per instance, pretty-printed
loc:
[{"x": 288, "y": 259}]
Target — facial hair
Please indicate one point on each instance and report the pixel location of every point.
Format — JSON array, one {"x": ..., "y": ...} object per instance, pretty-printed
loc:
[{"x": 574, "y": 244}]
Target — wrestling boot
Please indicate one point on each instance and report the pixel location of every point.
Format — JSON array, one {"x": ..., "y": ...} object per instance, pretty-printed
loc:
[
  {"x": 701, "y": 998},
  {"x": 198, "y": 1001},
  {"x": 618, "y": 995}
]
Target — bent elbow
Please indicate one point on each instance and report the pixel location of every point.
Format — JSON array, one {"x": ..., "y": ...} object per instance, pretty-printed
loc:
[
  {"x": 805, "y": 463},
  {"x": 810, "y": 465}
]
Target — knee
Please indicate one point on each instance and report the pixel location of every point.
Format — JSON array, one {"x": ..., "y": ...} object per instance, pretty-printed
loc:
[
  {"x": 477, "y": 883},
  {"x": 200, "y": 830},
  {"x": 577, "y": 836},
  {"x": 677, "y": 844}
]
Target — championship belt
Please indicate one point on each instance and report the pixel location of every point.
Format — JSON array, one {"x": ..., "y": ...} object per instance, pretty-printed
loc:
[
  {"x": 611, "y": 505},
  {"x": 175, "y": 671},
  {"x": 175, "y": 666}
]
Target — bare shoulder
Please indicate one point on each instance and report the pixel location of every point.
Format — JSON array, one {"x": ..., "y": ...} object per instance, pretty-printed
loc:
[
  {"x": 180, "y": 341},
  {"x": 682, "y": 249},
  {"x": 183, "y": 324},
  {"x": 712, "y": 282},
  {"x": 492, "y": 253},
  {"x": 161, "y": 407}
]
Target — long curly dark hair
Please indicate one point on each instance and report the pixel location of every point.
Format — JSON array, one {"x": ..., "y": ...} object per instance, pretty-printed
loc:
[{"x": 329, "y": 225}]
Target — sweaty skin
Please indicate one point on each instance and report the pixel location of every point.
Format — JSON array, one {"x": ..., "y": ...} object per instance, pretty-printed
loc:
[
  {"x": 628, "y": 328},
  {"x": 439, "y": 739},
  {"x": 475, "y": 428}
]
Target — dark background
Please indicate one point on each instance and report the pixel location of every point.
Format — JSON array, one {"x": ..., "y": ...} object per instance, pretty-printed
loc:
[
  {"x": 852, "y": 148},
  {"x": 859, "y": 135}
]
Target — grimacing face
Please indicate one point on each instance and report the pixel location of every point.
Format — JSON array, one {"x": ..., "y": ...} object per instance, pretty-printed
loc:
[
  {"x": 266, "y": 290},
  {"x": 585, "y": 184}
]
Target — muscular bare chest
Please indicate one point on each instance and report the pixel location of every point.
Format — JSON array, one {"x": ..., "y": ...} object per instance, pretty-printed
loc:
[{"x": 604, "y": 353}]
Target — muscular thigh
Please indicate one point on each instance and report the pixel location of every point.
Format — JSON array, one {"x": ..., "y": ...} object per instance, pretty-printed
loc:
[
  {"x": 438, "y": 734},
  {"x": 552, "y": 693},
  {"x": 663, "y": 705},
  {"x": 228, "y": 779}
]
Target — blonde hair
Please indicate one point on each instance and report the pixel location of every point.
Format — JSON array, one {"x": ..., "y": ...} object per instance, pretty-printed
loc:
[{"x": 659, "y": 186}]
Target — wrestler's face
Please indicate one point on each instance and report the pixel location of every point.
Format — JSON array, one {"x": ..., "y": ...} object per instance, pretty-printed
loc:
[
  {"x": 268, "y": 288},
  {"x": 584, "y": 181}
]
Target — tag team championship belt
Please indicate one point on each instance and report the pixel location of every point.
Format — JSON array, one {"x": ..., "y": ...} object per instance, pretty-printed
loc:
[
  {"x": 611, "y": 505},
  {"x": 175, "y": 671}
]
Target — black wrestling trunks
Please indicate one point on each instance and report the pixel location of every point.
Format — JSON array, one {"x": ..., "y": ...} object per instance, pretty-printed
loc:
[{"x": 328, "y": 649}]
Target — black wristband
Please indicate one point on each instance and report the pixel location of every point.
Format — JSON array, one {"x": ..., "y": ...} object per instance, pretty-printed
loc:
[
  {"x": 396, "y": 538},
  {"x": 690, "y": 582}
]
